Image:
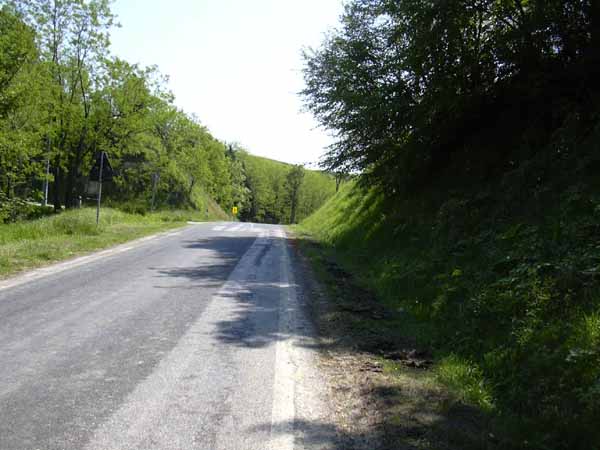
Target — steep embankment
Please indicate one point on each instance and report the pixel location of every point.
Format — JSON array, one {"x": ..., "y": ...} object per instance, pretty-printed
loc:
[{"x": 502, "y": 288}]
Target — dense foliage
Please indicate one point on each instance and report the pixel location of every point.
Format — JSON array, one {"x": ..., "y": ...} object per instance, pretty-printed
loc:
[
  {"x": 416, "y": 89},
  {"x": 477, "y": 123},
  {"x": 64, "y": 99},
  {"x": 513, "y": 305}
]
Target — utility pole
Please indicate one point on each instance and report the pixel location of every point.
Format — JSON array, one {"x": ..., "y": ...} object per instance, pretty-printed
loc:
[{"x": 99, "y": 188}]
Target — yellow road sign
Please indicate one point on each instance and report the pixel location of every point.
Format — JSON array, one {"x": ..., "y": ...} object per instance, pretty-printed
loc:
[{"x": 234, "y": 210}]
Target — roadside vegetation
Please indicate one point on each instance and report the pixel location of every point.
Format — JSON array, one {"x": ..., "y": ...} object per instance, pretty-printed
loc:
[
  {"x": 473, "y": 132},
  {"x": 506, "y": 310},
  {"x": 280, "y": 192},
  {"x": 29, "y": 244},
  {"x": 64, "y": 99}
]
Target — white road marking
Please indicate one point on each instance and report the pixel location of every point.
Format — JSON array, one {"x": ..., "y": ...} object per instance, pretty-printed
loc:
[
  {"x": 241, "y": 227},
  {"x": 150, "y": 417},
  {"x": 235, "y": 228},
  {"x": 283, "y": 410}
]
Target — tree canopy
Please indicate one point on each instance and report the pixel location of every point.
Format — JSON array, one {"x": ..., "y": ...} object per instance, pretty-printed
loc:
[{"x": 409, "y": 86}]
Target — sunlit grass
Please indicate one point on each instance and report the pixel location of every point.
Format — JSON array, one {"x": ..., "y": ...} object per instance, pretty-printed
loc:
[
  {"x": 509, "y": 312},
  {"x": 465, "y": 380}
]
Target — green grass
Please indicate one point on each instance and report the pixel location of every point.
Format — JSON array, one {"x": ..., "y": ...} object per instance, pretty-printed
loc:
[
  {"x": 29, "y": 244},
  {"x": 423, "y": 401},
  {"x": 506, "y": 296},
  {"x": 465, "y": 380}
]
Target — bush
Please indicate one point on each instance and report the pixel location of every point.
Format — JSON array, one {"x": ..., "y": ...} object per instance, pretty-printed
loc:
[
  {"x": 76, "y": 222},
  {"x": 15, "y": 209},
  {"x": 139, "y": 208}
]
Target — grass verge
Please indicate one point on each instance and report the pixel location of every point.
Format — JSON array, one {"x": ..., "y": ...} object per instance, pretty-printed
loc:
[
  {"x": 29, "y": 244},
  {"x": 413, "y": 399},
  {"x": 502, "y": 297}
]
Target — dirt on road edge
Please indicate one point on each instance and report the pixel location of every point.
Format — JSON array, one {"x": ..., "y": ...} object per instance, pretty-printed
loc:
[{"x": 380, "y": 389}]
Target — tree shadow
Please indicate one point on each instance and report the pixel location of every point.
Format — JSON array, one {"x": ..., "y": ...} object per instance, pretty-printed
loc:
[
  {"x": 211, "y": 276},
  {"x": 408, "y": 414},
  {"x": 222, "y": 254},
  {"x": 441, "y": 432},
  {"x": 255, "y": 323}
]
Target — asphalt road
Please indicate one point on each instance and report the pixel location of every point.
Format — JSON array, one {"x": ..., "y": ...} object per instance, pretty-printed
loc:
[{"x": 190, "y": 340}]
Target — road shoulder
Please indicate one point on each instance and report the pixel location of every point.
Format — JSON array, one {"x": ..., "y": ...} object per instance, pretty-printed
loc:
[{"x": 379, "y": 387}]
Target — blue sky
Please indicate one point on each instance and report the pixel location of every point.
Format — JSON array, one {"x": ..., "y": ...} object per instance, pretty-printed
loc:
[{"x": 236, "y": 64}]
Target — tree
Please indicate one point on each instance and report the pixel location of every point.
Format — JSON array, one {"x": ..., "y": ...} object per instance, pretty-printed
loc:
[
  {"x": 21, "y": 86},
  {"x": 406, "y": 85},
  {"x": 293, "y": 184},
  {"x": 17, "y": 50},
  {"x": 240, "y": 191},
  {"x": 73, "y": 40}
]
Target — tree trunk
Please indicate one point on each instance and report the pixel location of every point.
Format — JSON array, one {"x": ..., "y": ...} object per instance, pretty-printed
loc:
[
  {"x": 294, "y": 207},
  {"x": 57, "y": 185},
  {"x": 74, "y": 166},
  {"x": 70, "y": 184}
]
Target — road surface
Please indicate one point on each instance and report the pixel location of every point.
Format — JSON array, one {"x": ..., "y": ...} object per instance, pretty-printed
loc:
[{"x": 195, "y": 339}]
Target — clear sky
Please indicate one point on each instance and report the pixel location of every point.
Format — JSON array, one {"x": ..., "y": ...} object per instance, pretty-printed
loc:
[{"x": 236, "y": 64}]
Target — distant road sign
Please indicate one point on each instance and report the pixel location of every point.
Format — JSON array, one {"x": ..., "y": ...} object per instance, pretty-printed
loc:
[
  {"x": 107, "y": 171},
  {"x": 234, "y": 210}
]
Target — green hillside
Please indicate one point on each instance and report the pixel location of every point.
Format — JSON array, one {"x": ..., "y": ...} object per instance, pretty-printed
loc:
[
  {"x": 475, "y": 128},
  {"x": 274, "y": 188},
  {"x": 512, "y": 300}
]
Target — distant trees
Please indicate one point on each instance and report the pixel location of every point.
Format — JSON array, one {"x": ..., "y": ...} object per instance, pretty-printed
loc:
[
  {"x": 282, "y": 193},
  {"x": 409, "y": 85},
  {"x": 64, "y": 98}
]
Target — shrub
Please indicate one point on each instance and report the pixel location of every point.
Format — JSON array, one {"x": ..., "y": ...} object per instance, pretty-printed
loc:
[{"x": 15, "y": 209}]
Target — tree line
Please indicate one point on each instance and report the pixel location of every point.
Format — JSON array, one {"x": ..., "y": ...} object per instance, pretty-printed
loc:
[{"x": 64, "y": 99}]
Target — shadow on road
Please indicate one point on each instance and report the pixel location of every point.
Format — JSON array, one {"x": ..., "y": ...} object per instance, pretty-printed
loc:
[
  {"x": 376, "y": 410},
  {"x": 220, "y": 255}
]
